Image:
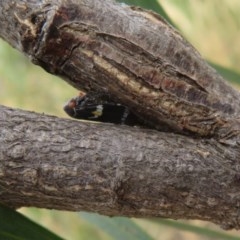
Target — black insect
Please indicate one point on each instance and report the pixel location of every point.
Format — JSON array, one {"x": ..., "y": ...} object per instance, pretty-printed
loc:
[{"x": 96, "y": 107}]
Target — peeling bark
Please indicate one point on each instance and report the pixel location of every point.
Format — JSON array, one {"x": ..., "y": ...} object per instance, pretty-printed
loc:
[
  {"x": 189, "y": 171},
  {"x": 128, "y": 53}
]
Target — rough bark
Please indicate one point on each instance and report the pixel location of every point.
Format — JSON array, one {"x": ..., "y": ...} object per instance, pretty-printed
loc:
[
  {"x": 115, "y": 170},
  {"x": 130, "y": 54},
  {"x": 142, "y": 62}
]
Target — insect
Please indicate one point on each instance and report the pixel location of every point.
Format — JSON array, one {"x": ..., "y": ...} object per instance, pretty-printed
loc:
[{"x": 98, "y": 107}]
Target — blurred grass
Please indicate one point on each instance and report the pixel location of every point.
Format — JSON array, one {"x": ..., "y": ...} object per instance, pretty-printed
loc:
[
  {"x": 14, "y": 225},
  {"x": 67, "y": 225},
  {"x": 211, "y": 26},
  {"x": 26, "y": 86}
]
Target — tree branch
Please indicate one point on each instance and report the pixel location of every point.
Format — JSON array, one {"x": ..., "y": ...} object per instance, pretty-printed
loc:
[
  {"x": 128, "y": 53},
  {"x": 140, "y": 61},
  {"x": 115, "y": 170}
]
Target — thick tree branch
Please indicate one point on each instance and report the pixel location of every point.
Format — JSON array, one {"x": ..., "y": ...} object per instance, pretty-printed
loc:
[
  {"x": 64, "y": 164},
  {"x": 139, "y": 60},
  {"x": 130, "y": 54}
]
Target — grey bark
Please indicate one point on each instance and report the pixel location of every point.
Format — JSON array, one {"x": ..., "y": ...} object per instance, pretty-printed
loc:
[
  {"x": 189, "y": 171},
  {"x": 115, "y": 170}
]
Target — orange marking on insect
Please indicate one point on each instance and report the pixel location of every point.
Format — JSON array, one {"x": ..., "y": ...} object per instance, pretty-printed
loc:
[{"x": 72, "y": 103}]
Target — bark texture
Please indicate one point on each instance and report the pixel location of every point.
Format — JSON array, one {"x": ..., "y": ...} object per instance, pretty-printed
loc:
[
  {"x": 115, "y": 170},
  {"x": 128, "y": 53},
  {"x": 189, "y": 171}
]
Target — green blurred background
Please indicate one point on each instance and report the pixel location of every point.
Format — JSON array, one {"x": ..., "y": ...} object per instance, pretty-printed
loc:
[{"x": 211, "y": 26}]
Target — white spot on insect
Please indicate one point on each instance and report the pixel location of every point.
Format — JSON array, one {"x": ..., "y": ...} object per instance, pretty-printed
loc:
[{"x": 98, "y": 112}]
